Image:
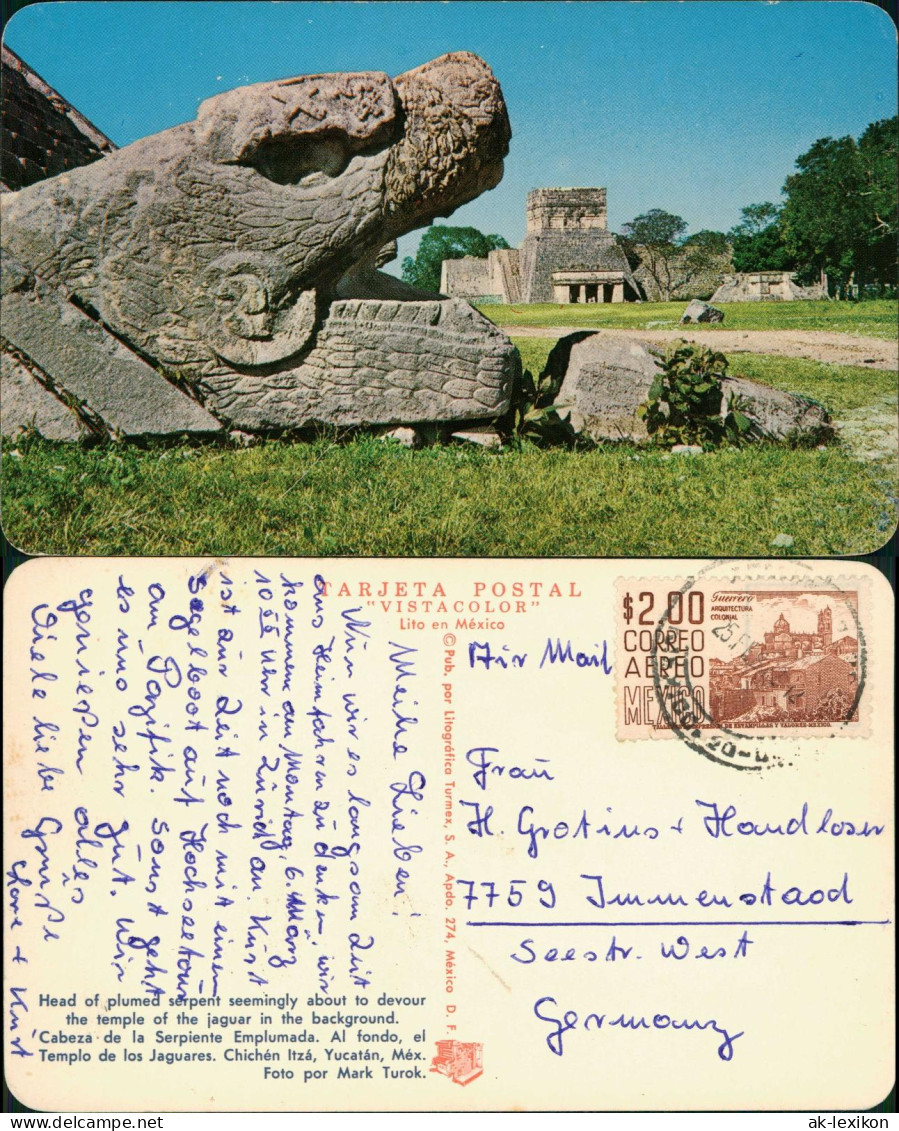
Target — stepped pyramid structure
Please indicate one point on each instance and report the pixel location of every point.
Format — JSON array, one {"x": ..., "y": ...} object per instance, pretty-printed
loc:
[
  {"x": 43, "y": 135},
  {"x": 568, "y": 255}
]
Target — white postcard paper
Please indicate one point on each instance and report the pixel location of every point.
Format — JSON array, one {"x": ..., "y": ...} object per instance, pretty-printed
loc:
[{"x": 486, "y": 835}]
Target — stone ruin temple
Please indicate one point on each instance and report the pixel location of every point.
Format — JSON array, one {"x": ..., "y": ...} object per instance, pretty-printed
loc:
[
  {"x": 568, "y": 255},
  {"x": 765, "y": 286}
]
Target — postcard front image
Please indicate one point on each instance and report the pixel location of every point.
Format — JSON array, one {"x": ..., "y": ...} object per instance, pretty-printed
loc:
[{"x": 332, "y": 292}]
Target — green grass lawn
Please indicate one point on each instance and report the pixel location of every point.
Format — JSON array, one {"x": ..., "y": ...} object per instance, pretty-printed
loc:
[
  {"x": 876, "y": 319},
  {"x": 366, "y": 496},
  {"x": 371, "y": 497}
]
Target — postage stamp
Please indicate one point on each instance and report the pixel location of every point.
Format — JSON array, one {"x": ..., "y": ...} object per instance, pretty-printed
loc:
[{"x": 703, "y": 655}]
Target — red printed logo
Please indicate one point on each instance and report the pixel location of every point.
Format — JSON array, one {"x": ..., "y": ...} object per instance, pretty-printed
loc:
[{"x": 461, "y": 1061}]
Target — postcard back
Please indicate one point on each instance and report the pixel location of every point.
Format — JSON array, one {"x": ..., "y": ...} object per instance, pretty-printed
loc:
[{"x": 361, "y": 835}]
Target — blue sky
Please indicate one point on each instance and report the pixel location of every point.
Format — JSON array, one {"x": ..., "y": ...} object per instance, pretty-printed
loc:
[{"x": 697, "y": 107}]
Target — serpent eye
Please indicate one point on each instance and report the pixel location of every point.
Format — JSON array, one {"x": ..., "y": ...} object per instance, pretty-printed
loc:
[{"x": 292, "y": 160}]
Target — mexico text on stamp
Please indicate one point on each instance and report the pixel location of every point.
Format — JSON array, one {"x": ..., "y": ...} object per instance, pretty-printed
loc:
[{"x": 702, "y": 655}]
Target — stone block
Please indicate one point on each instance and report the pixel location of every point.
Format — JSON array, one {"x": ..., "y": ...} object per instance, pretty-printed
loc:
[
  {"x": 483, "y": 436},
  {"x": 87, "y": 363},
  {"x": 765, "y": 286},
  {"x": 28, "y": 405},
  {"x": 701, "y": 312},
  {"x": 407, "y": 437},
  {"x": 221, "y": 253},
  {"x": 607, "y": 379}
]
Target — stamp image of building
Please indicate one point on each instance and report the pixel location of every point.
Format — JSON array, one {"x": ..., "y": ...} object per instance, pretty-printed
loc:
[
  {"x": 568, "y": 255},
  {"x": 805, "y": 677}
]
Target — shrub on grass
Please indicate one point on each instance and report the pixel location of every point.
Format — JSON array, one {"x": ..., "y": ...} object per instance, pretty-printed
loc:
[
  {"x": 684, "y": 405},
  {"x": 533, "y": 411}
]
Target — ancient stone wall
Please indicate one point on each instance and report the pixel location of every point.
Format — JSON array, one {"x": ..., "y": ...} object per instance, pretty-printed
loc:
[
  {"x": 703, "y": 285},
  {"x": 561, "y": 208},
  {"x": 545, "y": 252},
  {"x": 764, "y": 286},
  {"x": 42, "y": 134},
  {"x": 465, "y": 277},
  {"x": 496, "y": 277}
]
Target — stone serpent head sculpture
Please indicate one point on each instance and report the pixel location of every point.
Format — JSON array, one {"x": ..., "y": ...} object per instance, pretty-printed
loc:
[{"x": 236, "y": 254}]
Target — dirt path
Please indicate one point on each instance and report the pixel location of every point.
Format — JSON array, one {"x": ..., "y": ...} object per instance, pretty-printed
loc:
[{"x": 815, "y": 345}]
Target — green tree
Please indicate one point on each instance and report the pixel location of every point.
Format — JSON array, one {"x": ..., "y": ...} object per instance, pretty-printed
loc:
[
  {"x": 758, "y": 241},
  {"x": 703, "y": 248},
  {"x": 839, "y": 218},
  {"x": 658, "y": 240},
  {"x": 878, "y": 149},
  {"x": 443, "y": 242},
  {"x": 823, "y": 214},
  {"x": 757, "y": 217}
]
